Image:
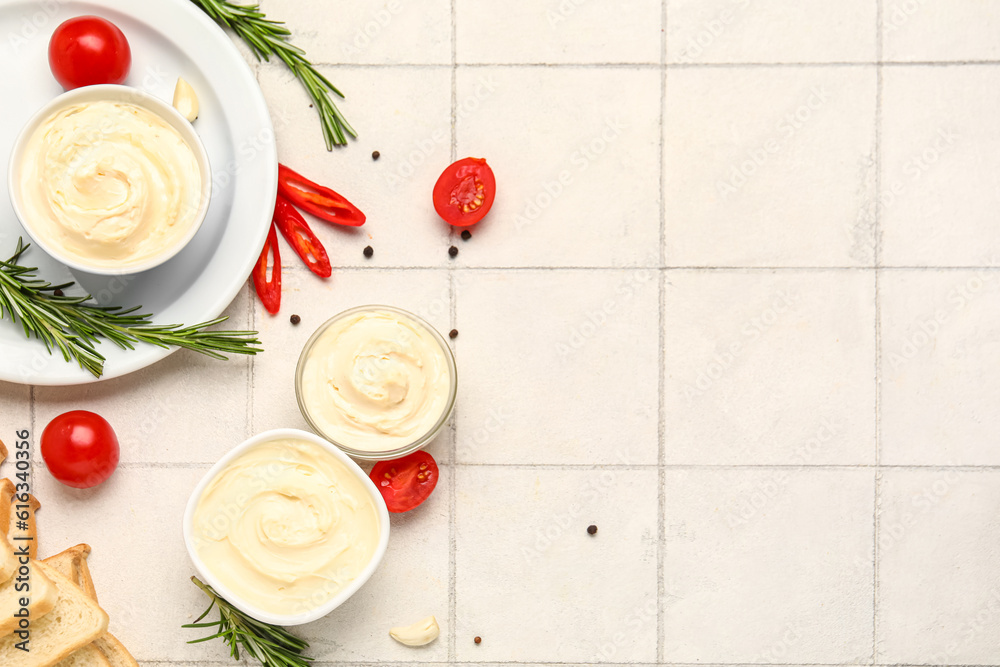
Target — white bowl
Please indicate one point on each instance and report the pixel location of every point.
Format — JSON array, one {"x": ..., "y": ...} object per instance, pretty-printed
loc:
[
  {"x": 233, "y": 598},
  {"x": 110, "y": 93}
]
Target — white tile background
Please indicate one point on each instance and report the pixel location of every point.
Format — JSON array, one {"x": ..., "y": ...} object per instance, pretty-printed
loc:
[{"x": 738, "y": 304}]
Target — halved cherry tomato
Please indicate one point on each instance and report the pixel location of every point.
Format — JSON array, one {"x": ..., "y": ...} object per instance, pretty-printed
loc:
[
  {"x": 406, "y": 482},
  {"x": 317, "y": 200},
  {"x": 269, "y": 291},
  {"x": 465, "y": 191},
  {"x": 300, "y": 236}
]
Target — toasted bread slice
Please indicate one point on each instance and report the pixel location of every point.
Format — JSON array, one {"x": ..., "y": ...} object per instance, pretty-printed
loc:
[
  {"x": 88, "y": 656},
  {"x": 8, "y": 561},
  {"x": 19, "y": 529},
  {"x": 42, "y": 595},
  {"x": 73, "y": 623},
  {"x": 115, "y": 651},
  {"x": 73, "y": 564}
]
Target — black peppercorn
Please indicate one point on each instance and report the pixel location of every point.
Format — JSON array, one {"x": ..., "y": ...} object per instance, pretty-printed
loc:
[
  {"x": 592, "y": 529},
  {"x": 369, "y": 251},
  {"x": 295, "y": 319},
  {"x": 453, "y": 333},
  {"x": 376, "y": 155},
  {"x": 453, "y": 251},
  {"x": 466, "y": 235}
]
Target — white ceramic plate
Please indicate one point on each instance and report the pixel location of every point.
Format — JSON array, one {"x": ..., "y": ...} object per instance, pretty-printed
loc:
[{"x": 169, "y": 38}]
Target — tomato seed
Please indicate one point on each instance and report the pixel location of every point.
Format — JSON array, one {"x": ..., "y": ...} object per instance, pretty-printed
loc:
[
  {"x": 592, "y": 529},
  {"x": 466, "y": 235},
  {"x": 294, "y": 319},
  {"x": 388, "y": 476},
  {"x": 369, "y": 251},
  {"x": 453, "y": 251},
  {"x": 423, "y": 466}
]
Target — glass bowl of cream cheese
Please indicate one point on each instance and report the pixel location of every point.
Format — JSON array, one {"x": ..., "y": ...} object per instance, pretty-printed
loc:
[
  {"x": 376, "y": 381},
  {"x": 110, "y": 180},
  {"x": 286, "y": 527}
]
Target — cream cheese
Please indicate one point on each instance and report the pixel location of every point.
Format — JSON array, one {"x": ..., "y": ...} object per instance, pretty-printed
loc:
[
  {"x": 375, "y": 381},
  {"x": 111, "y": 184},
  {"x": 286, "y": 526}
]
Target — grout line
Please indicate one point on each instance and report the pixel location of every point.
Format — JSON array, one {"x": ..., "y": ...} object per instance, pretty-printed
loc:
[
  {"x": 453, "y": 308},
  {"x": 879, "y": 24},
  {"x": 832, "y": 467},
  {"x": 34, "y": 442},
  {"x": 652, "y": 65},
  {"x": 251, "y": 361},
  {"x": 632, "y": 267},
  {"x": 661, "y": 426},
  {"x": 410, "y": 663}
]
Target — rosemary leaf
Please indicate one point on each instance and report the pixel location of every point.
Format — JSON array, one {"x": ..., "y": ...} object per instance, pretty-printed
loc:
[
  {"x": 267, "y": 38},
  {"x": 74, "y": 325},
  {"x": 270, "y": 645}
]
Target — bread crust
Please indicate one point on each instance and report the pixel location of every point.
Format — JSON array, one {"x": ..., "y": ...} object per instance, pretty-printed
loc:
[{"x": 73, "y": 562}]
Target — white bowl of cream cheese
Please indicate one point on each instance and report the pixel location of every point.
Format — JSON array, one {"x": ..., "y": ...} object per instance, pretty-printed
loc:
[
  {"x": 377, "y": 381},
  {"x": 109, "y": 180},
  {"x": 286, "y": 527}
]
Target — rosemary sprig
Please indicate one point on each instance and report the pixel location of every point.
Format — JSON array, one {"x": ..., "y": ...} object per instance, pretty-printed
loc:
[
  {"x": 268, "y": 38},
  {"x": 269, "y": 645},
  {"x": 74, "y": 325}
]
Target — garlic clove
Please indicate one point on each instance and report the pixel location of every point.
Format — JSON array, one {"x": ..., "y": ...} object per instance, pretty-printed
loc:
[
  {"x": 186, "y": 100},
  {"x": 420, "y": 633}
]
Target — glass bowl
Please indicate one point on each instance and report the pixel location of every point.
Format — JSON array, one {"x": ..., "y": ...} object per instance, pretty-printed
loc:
[{"x": 391, "y": 452}]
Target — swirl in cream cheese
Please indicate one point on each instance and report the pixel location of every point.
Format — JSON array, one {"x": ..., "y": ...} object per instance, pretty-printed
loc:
[
  {"x": 286, "y": 526},
  {"x": 375, "y": 381},
  {"x": 111, "y": 184}
]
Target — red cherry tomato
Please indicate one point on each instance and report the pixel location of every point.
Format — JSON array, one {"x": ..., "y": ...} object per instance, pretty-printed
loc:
[
  {"x": 465, "y": 191},
  {"x": 80, "y": 449},
  {"x": 88, "y": 50},
  {"x": 406, "y": 482}
]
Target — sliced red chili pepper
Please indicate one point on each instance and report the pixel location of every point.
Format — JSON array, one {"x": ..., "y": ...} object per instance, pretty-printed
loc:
[
  {"x": 300, "y": 236},
  {"x": 269, "y": 291},
  {"x": 317, "y": 200}
]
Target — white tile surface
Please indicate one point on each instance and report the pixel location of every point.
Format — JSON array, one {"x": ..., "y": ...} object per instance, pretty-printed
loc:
[
  {"x": 939, "y": 597},
  {"x": 574, "y": 31},
  {"x": 940, "y": 347},
  {"x": 514, "y": 586},
  {"x": 15, "y": 411},
  {"x": 545, "y": 352},
  {"x": 587, "y": 196},
  {"x": 769, "y": 367},
  {"x": 770, "y": 31},
  {"x": 315, "y": 301},
  {"x": 139, "y": 562},
  {"x": 383, "y": 32},
  {"x": 941, "y": 154},
  {"x": 736, "y": 525},
  {"x": 160, "y": 414},
  {"x": 768, "y": 566},
  {"x": 411, "y": 128},
  {"x": 412, "y": 583},
  {"x": 769, "y": 166},
  {"x": 922, "y": 30}
]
